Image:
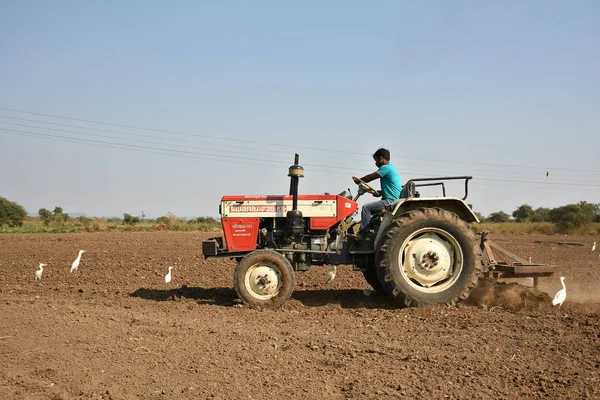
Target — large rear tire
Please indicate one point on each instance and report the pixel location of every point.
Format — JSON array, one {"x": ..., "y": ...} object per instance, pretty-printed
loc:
[
  {"x": 370, "y": 274},
  {"x": 428, "y": 256},
  {"x": 264, "y": 279}
]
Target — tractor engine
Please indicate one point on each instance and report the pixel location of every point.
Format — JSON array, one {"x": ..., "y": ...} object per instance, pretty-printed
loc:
[{"x": 301, "y": 227}]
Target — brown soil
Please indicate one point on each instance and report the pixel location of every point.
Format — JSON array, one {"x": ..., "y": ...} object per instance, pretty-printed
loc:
[{"x": 115, "y": 330}]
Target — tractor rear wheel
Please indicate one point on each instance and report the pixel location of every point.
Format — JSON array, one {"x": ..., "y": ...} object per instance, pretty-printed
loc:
[
  {"x": 370, "y": 274},
  {"x": 428, "y": 256},
  {"x": 264, "y": 279}
]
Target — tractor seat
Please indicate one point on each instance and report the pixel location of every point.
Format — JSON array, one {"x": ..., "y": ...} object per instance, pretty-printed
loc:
[{"x": 408, "y": 190}]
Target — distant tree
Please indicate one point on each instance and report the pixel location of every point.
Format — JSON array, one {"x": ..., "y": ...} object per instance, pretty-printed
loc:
[
  {"x": 479, "y": 216},
  {"x": 163, "y": 220},
  {"x": 499, "y": 216},
  {"x": 11, "y": 213},
  {"x": 59, "y": 216},
  {"x": 523, "y": 213},
  {"x": 541, "y": 214},
  {"x": 45, "y": 215},
  {"x": 85, "y": 221},
  {"x": 572, "y": 216},
  {"x": 206, "y": 220},
  {"x": 590, "y": 211},
  {"x": 130, "y": 219}
]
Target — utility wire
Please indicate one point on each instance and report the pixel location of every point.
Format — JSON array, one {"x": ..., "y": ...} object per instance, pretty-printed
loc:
[
  {"x": 276, "y": 144},
  {"x": 354, "y": 165},
  {"x": 244, "y": 159},
  {"x": 95, "y": 135},
  {"x": 151, "y": 150},
  {"x": 217, "y": 155},
  {"x": 262, "y": 150},
  {"x": 168, "y": 131}
]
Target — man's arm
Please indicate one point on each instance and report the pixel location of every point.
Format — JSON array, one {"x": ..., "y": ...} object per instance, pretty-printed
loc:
[{"x": 370, "y": 177}]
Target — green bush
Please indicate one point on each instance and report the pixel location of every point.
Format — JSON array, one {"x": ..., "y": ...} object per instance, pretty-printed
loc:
[
  {"x": 45, "y": 216},
  {"x": 129, "y": 219},
  {"x": 524, "y": 213},
  {"x": 11, "y": 213},
  {"x": 499, "y": 216},
  {"x": 85, "y": 221},
  {"x": 163, "y": 220},
  {"x": 207, "y": 220},
  {"x": 570, "y": 217},
  {"x": 479, "y": 216},
  {"x": 541, "y": 214}
]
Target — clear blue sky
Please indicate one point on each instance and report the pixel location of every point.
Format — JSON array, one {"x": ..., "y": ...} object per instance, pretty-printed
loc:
[{"x": 502, "y": 90}]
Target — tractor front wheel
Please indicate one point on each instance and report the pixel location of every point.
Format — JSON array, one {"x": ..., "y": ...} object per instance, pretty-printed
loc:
[
  {"x": 428, "y": 256},
  {"x": 264, "y": 279}
]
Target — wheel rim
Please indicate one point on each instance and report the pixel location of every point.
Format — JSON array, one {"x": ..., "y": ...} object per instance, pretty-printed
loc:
[
  {"x": 431, "y": 260},
  {"x": 262, "y": 281}
]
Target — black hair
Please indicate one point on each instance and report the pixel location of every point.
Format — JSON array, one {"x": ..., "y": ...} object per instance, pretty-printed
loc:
[{"x": 385, "y": 153}]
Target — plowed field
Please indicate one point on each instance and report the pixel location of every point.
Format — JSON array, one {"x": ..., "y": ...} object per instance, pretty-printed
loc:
[{"x": 115, "y": 330}]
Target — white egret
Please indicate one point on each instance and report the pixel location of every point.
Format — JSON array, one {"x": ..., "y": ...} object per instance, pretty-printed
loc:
[
  {"x": 168, "y": 276},
  {"x": 560, "y": 297},
  {"x": 37, "y": 276},
  {"x": 76, "y": 262},
  {"x": 594, "y": 247},
  {"x": 331, "y": 274}
]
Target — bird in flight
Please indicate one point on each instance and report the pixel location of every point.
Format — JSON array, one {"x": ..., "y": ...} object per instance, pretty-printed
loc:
[
  {"x": 75, "y": 264},
  {"x": 331, "y": 274},
  {"x": 560, "y": 297},
  {"x": 168, "y": 276},
  {"x": 37, "y": 276},
  {"x": 547, "y": 173}
]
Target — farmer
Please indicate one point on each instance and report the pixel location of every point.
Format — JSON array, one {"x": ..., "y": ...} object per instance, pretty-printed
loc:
[{"x": 391, "y": 185}]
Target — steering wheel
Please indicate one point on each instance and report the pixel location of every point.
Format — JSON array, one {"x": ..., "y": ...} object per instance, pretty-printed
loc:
[{"x": 369, "y": 188}]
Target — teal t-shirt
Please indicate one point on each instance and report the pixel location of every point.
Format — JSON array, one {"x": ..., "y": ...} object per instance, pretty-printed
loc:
[{"x": 391, "y": 185}]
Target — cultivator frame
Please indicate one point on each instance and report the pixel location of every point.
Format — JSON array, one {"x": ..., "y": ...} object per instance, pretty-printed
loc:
[{"x": 501, "y": 263}]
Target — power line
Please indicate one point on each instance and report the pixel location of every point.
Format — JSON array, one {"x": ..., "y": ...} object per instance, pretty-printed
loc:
[
  {"x": 146, "y": 149},
  {"x": 191, "y": 141},
  {"x": 244, "y": 159},
  {"x": 166, "y": 131},
  {"x": 126, "y": 133},
  {"x": 280, "y": 145},
  {"x": 113, "y": 137},
  {"x": 354, "y": 165},
  {"x": 95, "y": 135}
]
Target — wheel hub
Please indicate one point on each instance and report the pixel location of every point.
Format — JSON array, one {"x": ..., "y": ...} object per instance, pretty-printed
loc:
[
  {"x": 262, "y": 281},
  {"x": 429, "y": 259}
]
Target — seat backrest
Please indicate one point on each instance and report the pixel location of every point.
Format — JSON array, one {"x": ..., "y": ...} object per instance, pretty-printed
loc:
[{"x": 408, "y": 190}]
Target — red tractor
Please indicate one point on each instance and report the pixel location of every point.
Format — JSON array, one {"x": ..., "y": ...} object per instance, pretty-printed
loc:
[{"x": 420, "y": 250}]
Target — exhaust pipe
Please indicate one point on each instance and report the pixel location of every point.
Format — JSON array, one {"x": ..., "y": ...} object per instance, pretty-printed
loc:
[{"x": 295, "y": 223}]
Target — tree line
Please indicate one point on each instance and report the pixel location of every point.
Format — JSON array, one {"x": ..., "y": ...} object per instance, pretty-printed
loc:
[
  {"x": 566, "y": 218},
  {"x": 13, "y": 214}
]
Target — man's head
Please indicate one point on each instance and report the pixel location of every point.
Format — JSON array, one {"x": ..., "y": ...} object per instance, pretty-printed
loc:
[{"x": 381, "y": 157}]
